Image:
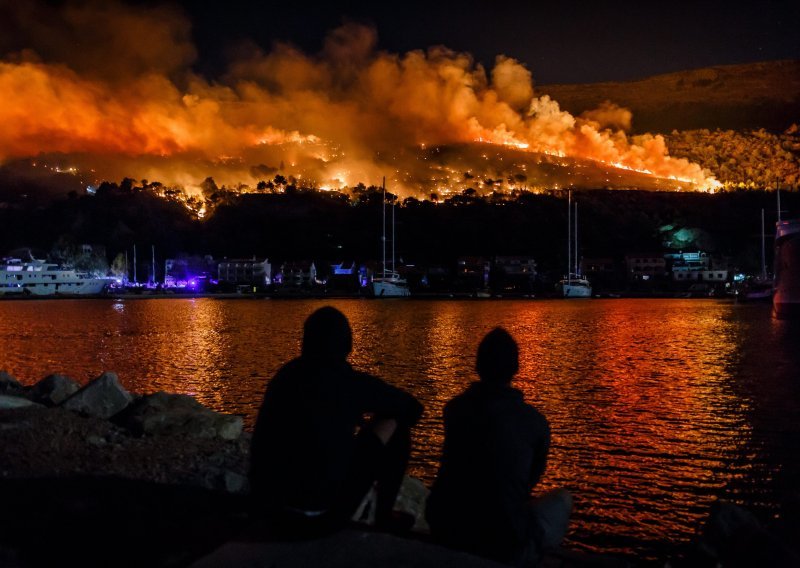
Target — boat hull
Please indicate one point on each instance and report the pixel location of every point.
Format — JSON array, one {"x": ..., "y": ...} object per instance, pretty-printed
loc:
[
  {"x": 786, "y": 299},
  {"x": 575, "y": 288},
  {"x": 388, "y": 289},
  {"x": 37, "y": 278}
]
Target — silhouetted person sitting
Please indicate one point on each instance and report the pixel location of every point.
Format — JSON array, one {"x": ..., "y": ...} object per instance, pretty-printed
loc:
[
  {"x": 314, "y": 454},
  {"x": 495, "y": 451}
]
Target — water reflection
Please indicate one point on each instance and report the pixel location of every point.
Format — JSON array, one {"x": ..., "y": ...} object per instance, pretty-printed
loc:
[{"x": 657, "y": 407}]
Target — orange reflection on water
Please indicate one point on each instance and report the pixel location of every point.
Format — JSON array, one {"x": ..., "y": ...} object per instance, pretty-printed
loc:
[
  {"x": 650, "y": 418},
  {"x": 641, "y": 416}
]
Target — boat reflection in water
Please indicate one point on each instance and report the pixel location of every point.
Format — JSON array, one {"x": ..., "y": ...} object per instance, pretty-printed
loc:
[
  {"x": 657, "y": 407},
  {"x": 786, "y": 299}
]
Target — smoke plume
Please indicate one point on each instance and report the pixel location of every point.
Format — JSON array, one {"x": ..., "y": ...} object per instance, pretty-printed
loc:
[{"x": 112, "y": 87}]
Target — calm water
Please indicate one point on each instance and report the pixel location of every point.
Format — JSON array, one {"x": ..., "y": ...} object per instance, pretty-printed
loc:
[{"x": 658, "y": 407}]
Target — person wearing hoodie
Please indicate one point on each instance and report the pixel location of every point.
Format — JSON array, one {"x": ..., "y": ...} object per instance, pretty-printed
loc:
[
  {"x": 495, "y": 452},
  {"x": 325, "y": 434}
]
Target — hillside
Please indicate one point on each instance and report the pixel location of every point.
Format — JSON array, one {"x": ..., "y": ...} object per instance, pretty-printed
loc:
[{"x": 737, "y": 97}]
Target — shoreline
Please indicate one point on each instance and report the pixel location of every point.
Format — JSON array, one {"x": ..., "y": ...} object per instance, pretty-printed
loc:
[{"x": 311, "y": 296}]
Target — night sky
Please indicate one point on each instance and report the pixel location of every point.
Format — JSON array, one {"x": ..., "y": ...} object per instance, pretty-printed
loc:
[{"x": 560, "y": 42}]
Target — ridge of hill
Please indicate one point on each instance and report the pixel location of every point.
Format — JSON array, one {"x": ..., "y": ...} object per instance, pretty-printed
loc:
[{"x": 747, "y": 96}]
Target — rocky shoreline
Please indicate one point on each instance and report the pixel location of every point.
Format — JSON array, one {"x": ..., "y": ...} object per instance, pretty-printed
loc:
[{"x": 97, "y": 476}]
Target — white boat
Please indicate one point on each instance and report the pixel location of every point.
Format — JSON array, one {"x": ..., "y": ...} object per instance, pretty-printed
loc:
[
  {"x": 40, "y": 278},
  {"x": 786, "y": 299},
  {"x": 573, "y": 285},
  {"x": 389, "y": 284}
]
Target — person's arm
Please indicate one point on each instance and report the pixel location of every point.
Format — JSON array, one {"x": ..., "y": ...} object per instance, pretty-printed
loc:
[
  {"x": 388, "y": 402},
  {"x": 541, "y": 441}
]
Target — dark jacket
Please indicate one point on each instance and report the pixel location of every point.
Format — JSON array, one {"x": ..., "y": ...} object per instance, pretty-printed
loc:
[
  {"x": 304, "y": 436},
  {"x": 495, "y": 451}
]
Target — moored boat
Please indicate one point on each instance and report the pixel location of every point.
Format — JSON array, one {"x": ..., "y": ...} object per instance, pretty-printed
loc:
[
  {"x": 389, "y": 284},
  {"x": 786, "y": 299},
  {"x": 39, "y": 278},
  {"x": 573, "y": 285}
]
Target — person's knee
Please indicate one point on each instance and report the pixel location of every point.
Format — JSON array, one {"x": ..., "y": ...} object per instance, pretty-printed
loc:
[
  {"x": 384, "y": 429},
  {"x": 564, "y": 497}
]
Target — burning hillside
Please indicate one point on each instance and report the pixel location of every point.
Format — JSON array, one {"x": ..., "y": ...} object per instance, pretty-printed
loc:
[{"x": 126, "y": 103}]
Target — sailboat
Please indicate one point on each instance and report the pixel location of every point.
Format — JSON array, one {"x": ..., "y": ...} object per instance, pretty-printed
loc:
[
  {"x": 573, "y": 285},
  {"x": 389, "y": 284},
  {"x": 760, "y": 288}
]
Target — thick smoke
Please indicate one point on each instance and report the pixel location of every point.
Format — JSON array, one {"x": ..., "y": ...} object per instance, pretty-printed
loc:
[{"x": 113, "y": 85}]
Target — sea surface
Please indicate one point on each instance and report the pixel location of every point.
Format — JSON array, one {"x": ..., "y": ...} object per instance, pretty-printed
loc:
[{"x": 657, "y": 407}]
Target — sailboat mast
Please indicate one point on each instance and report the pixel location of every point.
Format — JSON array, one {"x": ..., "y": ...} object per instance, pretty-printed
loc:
[
  {"x": 577, "y": 271},
  {"x": 153, "y": 249},
  {"x": 383, "y": 237},
  {"x": 569, "y": 235},
  {"x": 135, "y": 280},
  {"x": 763, "y": 250},
  {"x": 393, "y": 268}
]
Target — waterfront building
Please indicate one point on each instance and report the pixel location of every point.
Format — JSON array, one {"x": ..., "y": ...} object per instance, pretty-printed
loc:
[
  {"x": 644, "y": 267},
  {"x": 245, "y": 271},
  {"x": 696, "y": 267},
  {"x": 472, "y": 273},
  {"x": 189, "y": 271},
  {"x": 297, "y": 274},
  {"x": 514, "y": 274}
]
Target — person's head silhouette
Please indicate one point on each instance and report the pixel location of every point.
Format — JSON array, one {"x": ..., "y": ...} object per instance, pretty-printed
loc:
[
  {"x": 498, "y": 357},
  {"x": 327, "y": 335}
]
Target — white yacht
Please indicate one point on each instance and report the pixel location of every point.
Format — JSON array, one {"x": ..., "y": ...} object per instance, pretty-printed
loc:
[
  {"x": 389, "y": 284},
  {"x": 573, "y": 285},
  {"x": 40, "y": 278}
]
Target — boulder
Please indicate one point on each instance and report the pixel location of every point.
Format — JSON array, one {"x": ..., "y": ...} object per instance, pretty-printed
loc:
[
  {"x": 351, "y": 548},
  {"x": 103, "y": 397},
  {"x": 8, "y": 384},
  {"x": 54, "y": 389},
  {"x": 8, "y": 402},
  {"x": 411, "y": 499},
  {"x": 733, "y": 536},
  {"x": 164, "y": 414},
  {"x": 219, "y": 479}
]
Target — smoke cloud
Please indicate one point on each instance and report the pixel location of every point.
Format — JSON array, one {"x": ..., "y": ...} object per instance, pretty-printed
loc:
[{"x": 112, "y": 86}]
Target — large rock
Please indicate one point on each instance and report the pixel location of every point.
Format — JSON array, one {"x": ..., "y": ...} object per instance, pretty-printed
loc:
[
  {"x": 8, "y": 384},
  {"x": 411, "y": 499},
  {"x": 165, "y": 414},
  {"x": 8, "y": 402},
  {"x": 345, "y": 549},
  {"x": 734, "y": 537},
  {"x": 103, "y": 397},
  {"x": 54, "y": 389}
]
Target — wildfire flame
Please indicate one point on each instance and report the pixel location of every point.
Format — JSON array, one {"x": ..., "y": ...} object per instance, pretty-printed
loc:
[{"x": 137, "y": 110}]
